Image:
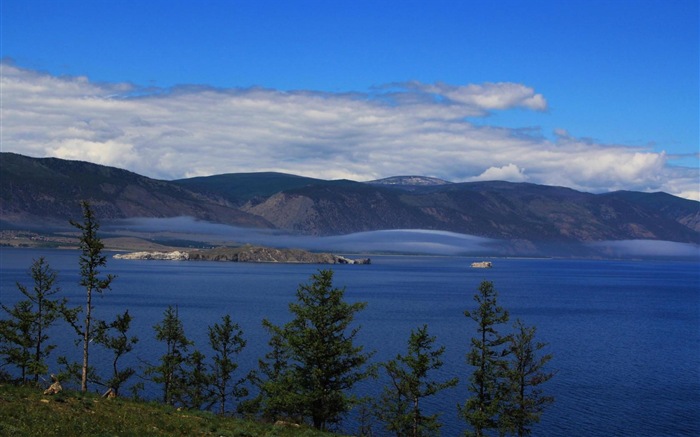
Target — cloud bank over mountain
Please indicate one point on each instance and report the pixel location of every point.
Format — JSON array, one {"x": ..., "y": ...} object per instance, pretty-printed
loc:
[
  {"x": 407, "y": 241},
  {"x": 396, "y": 240},
  {"x": 439, "y": 130}
]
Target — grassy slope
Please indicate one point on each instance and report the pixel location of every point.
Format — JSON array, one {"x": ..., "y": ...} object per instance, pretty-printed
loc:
[{"x": 26, "y": 411}]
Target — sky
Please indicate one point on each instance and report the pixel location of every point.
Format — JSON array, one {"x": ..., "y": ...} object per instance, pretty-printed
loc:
[{"x": 594, "y": 95}]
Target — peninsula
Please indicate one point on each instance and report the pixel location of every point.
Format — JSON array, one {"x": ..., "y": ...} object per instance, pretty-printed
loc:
[{"x": 247, "y": 253}]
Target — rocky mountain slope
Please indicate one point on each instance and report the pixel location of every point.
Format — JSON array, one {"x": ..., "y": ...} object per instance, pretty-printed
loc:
[
  {"x": 491, "y": 209},
  {"x": 47, "y": 191}
]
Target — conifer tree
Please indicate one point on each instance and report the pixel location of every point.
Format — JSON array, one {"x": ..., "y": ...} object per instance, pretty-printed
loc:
[
  {"x": 15, "y": 337},
  {"x": 400, "y": 404},
  {"x": 226, "y": 339},
  {"x": 324, "y": 362},
  {"x": 483, "y": 409},
  {"x": 91, "y": 260},
  {"x": 24, "y": 336},
  {"x": 193, "y": 383},
  {"x": 170, "y": 370},
  {"x": 526, "y": 371},
  {"x": 120, "y": 344},
  {"x": 275, "y": 399}
]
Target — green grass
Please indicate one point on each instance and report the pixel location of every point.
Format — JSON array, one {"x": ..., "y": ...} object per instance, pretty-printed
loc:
[{"x": 25, "y": 411}]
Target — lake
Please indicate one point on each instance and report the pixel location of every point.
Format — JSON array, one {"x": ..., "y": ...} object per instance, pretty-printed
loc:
[{"x": 625, "y": 335}]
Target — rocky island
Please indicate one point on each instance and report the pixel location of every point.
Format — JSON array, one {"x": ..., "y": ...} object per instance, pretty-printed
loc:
[
  {"x": 253, "y": 254},
  {"x": 482, "y": 265}
]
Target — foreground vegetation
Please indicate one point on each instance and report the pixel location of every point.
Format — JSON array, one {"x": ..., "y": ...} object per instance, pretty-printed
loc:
[
  {"x": 306, "y": 378},
  {"x": 25, "y": 411}
]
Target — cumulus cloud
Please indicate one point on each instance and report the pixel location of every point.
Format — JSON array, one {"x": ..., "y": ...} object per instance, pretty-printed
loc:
[
  {"x": 408, "y": 128},
  {"x": 509, "y": 172}
]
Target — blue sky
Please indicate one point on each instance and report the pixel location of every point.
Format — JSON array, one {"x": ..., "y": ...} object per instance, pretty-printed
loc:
[{"x": 516, "y": 90}]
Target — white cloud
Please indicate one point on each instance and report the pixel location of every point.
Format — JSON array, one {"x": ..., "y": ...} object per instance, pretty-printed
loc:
[
  {"x": 509, "y": 172},
  {"x": 490, "y": 95},
  {"x": 409, "y": 128},
  {"x": 396, "y": 240},
  {"x": 647, "y": 248}
]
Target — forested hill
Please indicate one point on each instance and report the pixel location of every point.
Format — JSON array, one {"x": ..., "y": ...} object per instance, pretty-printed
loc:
[{"x": 47, "y": 191}]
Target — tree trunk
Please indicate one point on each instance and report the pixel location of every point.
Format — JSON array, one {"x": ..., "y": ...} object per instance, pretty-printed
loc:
[
  {"x": 86, "y": 342},
  {"x": 416, "y": 416},
  {"x": 37, "y": 353}
]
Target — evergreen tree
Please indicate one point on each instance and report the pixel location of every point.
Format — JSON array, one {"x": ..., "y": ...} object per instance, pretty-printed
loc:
[
  {"x": 15, "y": 337},
  {"x": 226, "y": 339},
  {"x": 120, "y": 344},
  {"x": 526, "y": 371},
  {"x": 399, "y": 407},
  {"x": 73, "y": 371},
  {"x": 193, "y": 383},
  {"x": 24, "y": 336},
  {"x": 276, "y": 398},
  {"x": 170, "y": 370},
  {"x": 324, "y": 363},
  {"x": 482, "y": 411},
  {"x": 91, "y": 260}
]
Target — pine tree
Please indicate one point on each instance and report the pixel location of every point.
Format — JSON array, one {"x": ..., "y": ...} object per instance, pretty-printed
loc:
[
  {"x": 170, "y": 370},
  {"x": 482, "y": 411},
  {"x": 400, "y": 404},
  {"x": 226, "y": 339},
  {"x": 120, "y": 344},
  {"x": 91, "y": 260},
  {"x": 324, "y": 363},
  {"x": 526, "y": 371},
  {"x": 23, "y": 337}
]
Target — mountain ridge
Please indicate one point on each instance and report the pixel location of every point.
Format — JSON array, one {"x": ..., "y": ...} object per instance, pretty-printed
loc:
[
  {"x": 410, "y": 181},
  {"x": 47, "y": 190}
]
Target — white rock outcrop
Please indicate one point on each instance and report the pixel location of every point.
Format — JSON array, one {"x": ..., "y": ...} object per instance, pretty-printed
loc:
[
  {"x": 482, "y": 265},
  {"x": 168, "y": 256}
]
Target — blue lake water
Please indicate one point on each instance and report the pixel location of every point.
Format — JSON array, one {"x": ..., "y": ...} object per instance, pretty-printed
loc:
[{"x": 625, "y": 335}]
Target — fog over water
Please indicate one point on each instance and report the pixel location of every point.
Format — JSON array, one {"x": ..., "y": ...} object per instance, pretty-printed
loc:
[
  {"x": 408, "y": 241},
  {"x": 647, "y": 248},
  {"x": 398, "y": 241}
]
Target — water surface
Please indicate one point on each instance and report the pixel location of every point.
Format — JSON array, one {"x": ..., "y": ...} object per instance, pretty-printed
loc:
[{"x": 625, "y": 335}]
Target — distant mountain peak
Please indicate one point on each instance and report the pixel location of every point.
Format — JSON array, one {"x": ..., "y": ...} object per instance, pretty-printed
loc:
[{"x": 419, "y": 181}]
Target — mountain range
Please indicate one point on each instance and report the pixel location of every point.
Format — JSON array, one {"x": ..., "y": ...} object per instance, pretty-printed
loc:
[{"x": 45, "y": 192}]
